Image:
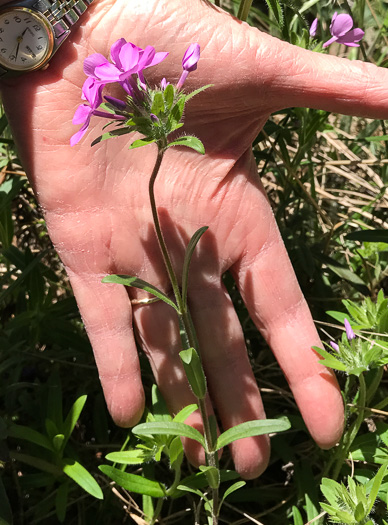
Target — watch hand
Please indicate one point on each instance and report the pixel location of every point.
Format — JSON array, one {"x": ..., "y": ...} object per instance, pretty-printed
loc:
[{"x": 19, "y": 40}]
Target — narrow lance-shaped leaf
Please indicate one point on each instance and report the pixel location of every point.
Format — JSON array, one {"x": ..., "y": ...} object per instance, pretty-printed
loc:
[
  {"x": 134, "y": 483},
  {"x": 82, "y": 477},
  {"x": 376, "y": 486},
  {"x": 135, "y": 282},
  {"x": 187, "y": 260},
  {"x": 329, "y": 360},
  {"x": 236, "y": 486},
  {"x": 252, "y": 428},
  {"x": 112, "y": 134},
  {"x": 141, "y": 142},
  {"x": 212, "y": 475},
  {"x": 194, "y": 371},
  {"x": 169, "y": 429},
  {"x": 183, "y": 414},
  {"x": 73, "y": 416},
  {"x": 130, "y": 457},
  {"x": 195, "y": 92},
  {"x": 31, "y": 435}
]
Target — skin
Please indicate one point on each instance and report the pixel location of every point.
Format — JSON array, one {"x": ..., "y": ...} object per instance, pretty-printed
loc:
[{"x": 96, "y": 205}]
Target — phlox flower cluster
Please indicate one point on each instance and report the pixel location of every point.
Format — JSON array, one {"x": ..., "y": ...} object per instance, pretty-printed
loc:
[{"x": 126, "y": 68}]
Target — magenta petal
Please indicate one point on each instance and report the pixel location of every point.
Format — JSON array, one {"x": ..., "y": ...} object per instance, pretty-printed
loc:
[
  {"x": 355, "y": 35},
  {"x": 78, "y": 136},
  {"x": 92, "y": 92},
  {"x": 159, "y": 57},
  {"x": 107, "y": 72},
  {"x": 341, "y": 25},
  {"x": 115, "y": 51},
  {"x": 82, "y": 114},
  {"x": 331, "y": 41},
  {"x": 129, "y": 57},
  {"x": 91, "y": 62},
  {"x": 146, "y": 58}
]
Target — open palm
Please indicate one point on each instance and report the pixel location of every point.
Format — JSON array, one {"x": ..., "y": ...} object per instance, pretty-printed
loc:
[{"x": 96, "y": 206}]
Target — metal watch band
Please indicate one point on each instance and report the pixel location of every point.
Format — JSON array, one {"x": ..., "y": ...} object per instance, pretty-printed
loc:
[{"x": 62, "y": 14}]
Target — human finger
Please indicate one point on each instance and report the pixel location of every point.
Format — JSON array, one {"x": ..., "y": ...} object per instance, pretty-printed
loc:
[{"x": 106, "y": 312}]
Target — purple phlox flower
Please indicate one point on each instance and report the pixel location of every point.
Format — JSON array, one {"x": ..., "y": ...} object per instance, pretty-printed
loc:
[
  {"x": 334, "y": 346},
  {"x": 127, "y": 60},
  {"x": 313, "y": 27},
  {"x": 349, "y": 331},
  {"x": 92, "y": 93},
  {"x": 189, "y": 62},
  {"x": 164, "y": 83},
  {"x": 154, "y": 118},
  {"x": 342, "y": 32}
]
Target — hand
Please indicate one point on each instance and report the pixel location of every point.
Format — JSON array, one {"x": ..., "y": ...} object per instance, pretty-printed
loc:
[{"x": 96, "y": 206}]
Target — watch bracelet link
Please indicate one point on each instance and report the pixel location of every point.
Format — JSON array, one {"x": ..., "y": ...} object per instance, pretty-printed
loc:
[{"x": 62, "y": 14}]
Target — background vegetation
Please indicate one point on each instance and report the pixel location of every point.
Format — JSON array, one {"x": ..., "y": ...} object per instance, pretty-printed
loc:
[{"x": 326, "y": 177}]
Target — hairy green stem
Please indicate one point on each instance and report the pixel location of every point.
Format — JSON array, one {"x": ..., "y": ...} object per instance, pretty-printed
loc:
[
  {"x": 352, "y": 431},
  {"x": 185, "y": 320}
]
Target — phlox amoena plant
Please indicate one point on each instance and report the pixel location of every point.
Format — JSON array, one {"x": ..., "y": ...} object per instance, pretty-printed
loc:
[{"x": 156, "y": 113}]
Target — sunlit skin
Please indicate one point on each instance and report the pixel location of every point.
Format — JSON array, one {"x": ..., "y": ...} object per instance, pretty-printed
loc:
[{"x": 96, "y": 205}]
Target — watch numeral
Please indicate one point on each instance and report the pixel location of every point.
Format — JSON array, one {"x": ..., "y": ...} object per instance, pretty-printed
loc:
[
  {"x": 12, "y": 57},
  {"x": 27, "y": 20},
  {"x": 6, "y": 21},
  {"x": 3, "y": 50},
  {"x": 23, "y": 59},
  {"x": 1, "y": 30},
  {"x": 17, "y": 19},
  {"x": 39, "y": 47},
  {"x": 36, "y": 27}
]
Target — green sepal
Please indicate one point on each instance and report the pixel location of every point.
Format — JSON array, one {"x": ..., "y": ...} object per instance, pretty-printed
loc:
[
  {"x": 194, "y": 371},
  {"x": 194, "y": 93},
  {"x": 135, "y": 282},
  {"x": 112, "y": 134},
  {"x": 168, "y": 96},
  {"x": 158, "y": 104},
  {"x": 189, "y": 142}
]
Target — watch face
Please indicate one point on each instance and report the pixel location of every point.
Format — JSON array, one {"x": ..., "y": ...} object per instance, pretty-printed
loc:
[{"x": 26, "y": 39}]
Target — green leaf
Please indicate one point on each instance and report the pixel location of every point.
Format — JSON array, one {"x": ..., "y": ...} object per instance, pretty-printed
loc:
[
  {"x": 38, "y": 463},
  {"x": 194, "y": 371},
  {"x": 169, "y": 429},
  {"x": 176, "y": 113},
  {"x": 61, "y": 501},
  {"x": 73, "y": 416},
  {"x": 381, "y": 138},
  {"x": 236, "y": 486},
  {"x": 5, "y": 507},
  {"x": 276, "y": 9},
  {"x": 185, "y": 488},
  {"x": 134, "y": 483},
  {"x": 212, "y": 475},
  {"x": 175, "y": 452},
  {"x": 359, "y": 511},
  {"x": 376, "y": 486},
  {"x": 58, "y": 442},
  {"x": 187, "y": 260},
  {"x": 159, "y": 407},
  {"x": 199, "y": 481},
  {"x": 127, "y": 280},
  {"x": 368, "y": 236},
  {"x": 297, "y": 516},
  {"x": 329, "y": 360},
  {"x": 140, "y": 142},
  {"x": 157, "y": 104},
  {"x": 252, "y": 428},
  {"x": 112, "y": 134},
  {"x": 189, "y": 142},
  {"x": 168, "y": 96},
  {"x": 31, "y": 435},
  {"x": 82, "y": 477},
  {"x": 130, "y": 457},
  {"x": 183, "y": 414},
  {"x": 194, "y": 93}
]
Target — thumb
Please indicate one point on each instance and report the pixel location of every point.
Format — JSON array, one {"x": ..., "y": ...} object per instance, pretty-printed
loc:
[{"x": 307, "y": 79}]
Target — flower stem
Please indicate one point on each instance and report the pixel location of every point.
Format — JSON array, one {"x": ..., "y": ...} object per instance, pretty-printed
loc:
[
  {"x": 352, "y": 431},
  {"x": 185, "y": 321},
  {"x": 243, "y": 10}
]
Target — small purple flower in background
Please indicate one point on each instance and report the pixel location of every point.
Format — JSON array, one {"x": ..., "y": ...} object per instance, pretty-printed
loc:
[
  {"x": 342, "y": 32},
  {"x": 334, "y": 346},
  {"x": 349, "y": 331},
  {"x": 164, "y": 83},
  {"x": 189, "y": 62},
  {"x": 92, "y": 93},
  {"x": 313, "y": 28}
]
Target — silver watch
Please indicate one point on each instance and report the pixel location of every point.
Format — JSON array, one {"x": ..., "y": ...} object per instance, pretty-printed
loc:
[{"x": 31, "y": 31}]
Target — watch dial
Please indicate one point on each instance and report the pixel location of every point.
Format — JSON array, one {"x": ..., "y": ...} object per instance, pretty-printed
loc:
[{"x": 25, "y": 39}]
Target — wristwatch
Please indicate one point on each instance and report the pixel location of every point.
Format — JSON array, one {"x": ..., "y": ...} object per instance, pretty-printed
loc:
[{"x": 31, "y": 31}]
